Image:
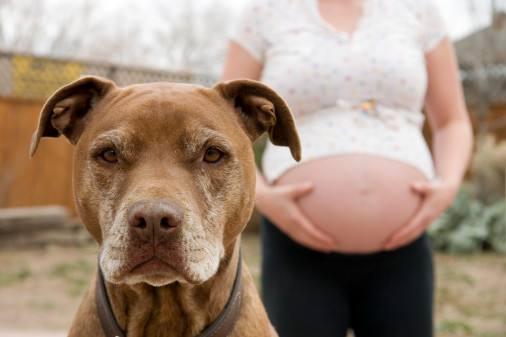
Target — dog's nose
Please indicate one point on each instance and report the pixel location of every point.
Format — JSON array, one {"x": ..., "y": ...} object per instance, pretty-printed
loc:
[{"x": 154, "y": 219}]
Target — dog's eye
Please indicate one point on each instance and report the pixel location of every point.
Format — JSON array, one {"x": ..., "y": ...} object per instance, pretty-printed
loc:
[
  {"x": 109, "y": 155},
  {"x": 213, "y": 155}
]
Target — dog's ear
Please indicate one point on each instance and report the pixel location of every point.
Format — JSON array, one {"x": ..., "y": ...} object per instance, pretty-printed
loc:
[
  {"x": 65, "y": 112},
  {"x": 261, "y": 109}
]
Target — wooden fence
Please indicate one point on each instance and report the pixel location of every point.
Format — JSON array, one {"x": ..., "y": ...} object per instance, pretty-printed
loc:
[{"x": 43, "y": 180}]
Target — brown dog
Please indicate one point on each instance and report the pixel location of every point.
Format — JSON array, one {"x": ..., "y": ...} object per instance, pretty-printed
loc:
[{"x": 164, "y": 180}]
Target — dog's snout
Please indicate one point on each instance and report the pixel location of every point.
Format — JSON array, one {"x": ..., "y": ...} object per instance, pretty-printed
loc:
[{"x": 154, "y": 219}]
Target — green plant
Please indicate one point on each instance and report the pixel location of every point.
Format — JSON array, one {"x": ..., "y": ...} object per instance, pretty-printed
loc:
[
  {"x": 469, "y": 225},
  {"x": 477, "y": 219},
  {"x": 8, "y": 278},
  {"x": 495, "y": 217}
]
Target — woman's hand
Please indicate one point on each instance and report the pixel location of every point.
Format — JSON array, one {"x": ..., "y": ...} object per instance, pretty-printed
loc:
[
  {"x": 437, "y": 196},
  {"x": 278, "y": 203}
]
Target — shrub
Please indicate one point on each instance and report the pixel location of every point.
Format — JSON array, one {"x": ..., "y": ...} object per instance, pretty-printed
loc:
[
  {"x": 469, "y": 226},
  {"x": 477, "y": 219}
]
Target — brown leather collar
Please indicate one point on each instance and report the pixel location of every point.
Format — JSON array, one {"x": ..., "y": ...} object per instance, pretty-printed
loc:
[{"x": 221, "y": 327}]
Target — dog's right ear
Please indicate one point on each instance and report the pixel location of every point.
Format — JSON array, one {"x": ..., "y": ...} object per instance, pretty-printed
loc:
[
  {"x": 262, "y": 110},
  {"x": 65, "y": 112}
]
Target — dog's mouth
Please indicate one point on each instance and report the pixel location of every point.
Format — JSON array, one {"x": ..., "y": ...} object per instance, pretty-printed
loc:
[
  {"x": 153, "y": 270},
  {"x": 180, "y": 262},
  {"x": 151, "y": 266}
]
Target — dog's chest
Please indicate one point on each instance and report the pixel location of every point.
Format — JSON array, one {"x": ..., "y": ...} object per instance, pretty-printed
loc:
[{"x": 169, "y": 318}]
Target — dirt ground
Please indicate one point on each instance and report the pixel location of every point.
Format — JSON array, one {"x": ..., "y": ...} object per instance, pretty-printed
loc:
[{"x": 40, "y": 290}]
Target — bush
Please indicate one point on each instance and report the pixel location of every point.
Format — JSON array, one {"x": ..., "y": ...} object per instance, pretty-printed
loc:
[
  {"x": 470, "y": 226},
  {"x": 477, "y": 219}
]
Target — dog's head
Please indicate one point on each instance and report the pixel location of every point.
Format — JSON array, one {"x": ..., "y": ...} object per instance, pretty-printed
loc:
[{"x": 164, "y": 173}]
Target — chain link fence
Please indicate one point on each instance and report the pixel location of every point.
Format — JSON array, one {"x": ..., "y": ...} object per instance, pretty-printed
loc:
[
  {"x": 486, "y": 83},
  {"x": 31, "y": 77},
  {"x": 26, "y": 76}
]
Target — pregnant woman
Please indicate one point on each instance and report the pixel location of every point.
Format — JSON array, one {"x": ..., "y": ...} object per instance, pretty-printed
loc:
[{"x": 343, "y": 231}]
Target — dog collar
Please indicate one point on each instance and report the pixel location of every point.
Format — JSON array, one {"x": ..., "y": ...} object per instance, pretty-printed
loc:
[{"x": 221, "y": 327}]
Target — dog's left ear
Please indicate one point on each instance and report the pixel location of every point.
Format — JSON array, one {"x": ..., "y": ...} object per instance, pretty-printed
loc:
[
  {"x": 65, "y": 112},
  {"x": 262, "y": 110}
]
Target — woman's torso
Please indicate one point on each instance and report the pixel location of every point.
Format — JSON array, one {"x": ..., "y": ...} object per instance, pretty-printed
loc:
[
  {"x": 357, "y": 101},
  {"x": 326, "y": 76},
  {"x": 310, "y": 64}
]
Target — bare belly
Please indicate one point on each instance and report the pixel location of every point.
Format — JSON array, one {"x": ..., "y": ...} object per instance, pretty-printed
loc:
[{"x": 358, "y": 199}]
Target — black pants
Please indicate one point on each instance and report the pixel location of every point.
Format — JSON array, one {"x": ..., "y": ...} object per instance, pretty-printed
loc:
[{"x": 312, "y": 294}]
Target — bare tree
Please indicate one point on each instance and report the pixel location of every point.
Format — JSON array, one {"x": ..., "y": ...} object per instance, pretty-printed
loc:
[
  {"x": 194, "y": 40},
  {"x": 3, "y": 4},
  {"x": 40, "y": 28},
  {"x": 187, "y": 36}
]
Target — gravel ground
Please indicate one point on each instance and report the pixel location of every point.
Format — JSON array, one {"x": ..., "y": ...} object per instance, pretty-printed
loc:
[
  {"x": 34, "y": 333},
  {"x": 41, "y": 289}
]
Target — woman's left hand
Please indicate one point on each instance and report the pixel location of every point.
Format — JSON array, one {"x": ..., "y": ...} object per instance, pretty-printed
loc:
[{"x": 437, "y": 195}]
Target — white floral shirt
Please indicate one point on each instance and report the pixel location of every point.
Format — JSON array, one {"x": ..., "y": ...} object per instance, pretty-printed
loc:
[{"x": 359, "y": 92}]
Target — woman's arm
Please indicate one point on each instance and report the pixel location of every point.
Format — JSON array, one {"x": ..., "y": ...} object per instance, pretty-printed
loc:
[
  {"x": 276, "y": 202},
  {"x": 240, "y": 64},
  {"x": 447, "y": 115},
  {"x": 452, "y": 142}
]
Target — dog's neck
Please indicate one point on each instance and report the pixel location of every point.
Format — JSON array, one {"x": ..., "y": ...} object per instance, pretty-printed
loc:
[{"x": 176, "y": 309}]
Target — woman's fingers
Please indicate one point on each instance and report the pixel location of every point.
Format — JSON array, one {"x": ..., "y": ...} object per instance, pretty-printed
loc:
[
  {"x": 304, "y": 228},
  {"x": 437, "y": 196},
  {"x": 298, "y": 190},
  {"x": 427, "y": 187},
  {"x": 419, "y": 222},
  {"x": 312, "y": 244},
  {"x": 284, "y": 211},
  {"x": 307, "y": 227},
  {"x": 306, "y": 240},
  {"x": 409, "y": 232},
  {"x": 422, "y": 187}
]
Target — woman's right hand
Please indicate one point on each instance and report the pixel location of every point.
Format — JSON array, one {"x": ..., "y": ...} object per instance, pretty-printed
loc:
[{"x": 278, "y": 203}]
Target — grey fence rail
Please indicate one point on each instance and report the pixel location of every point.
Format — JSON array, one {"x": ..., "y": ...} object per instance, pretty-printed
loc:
[{"x": 27, "y": 76}]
